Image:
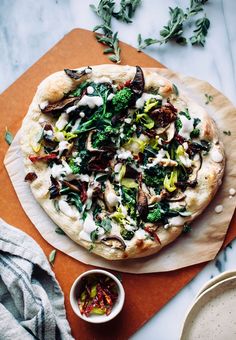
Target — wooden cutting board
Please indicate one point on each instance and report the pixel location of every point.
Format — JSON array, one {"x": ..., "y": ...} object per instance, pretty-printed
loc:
[{"x": 145, "y": 294}]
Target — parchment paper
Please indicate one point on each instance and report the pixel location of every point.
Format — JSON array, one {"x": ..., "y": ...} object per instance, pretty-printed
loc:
[{"x": 208, "y": 231}]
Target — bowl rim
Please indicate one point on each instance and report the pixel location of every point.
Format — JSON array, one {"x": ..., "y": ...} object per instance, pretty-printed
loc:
[{"x": 102, "y": 318}]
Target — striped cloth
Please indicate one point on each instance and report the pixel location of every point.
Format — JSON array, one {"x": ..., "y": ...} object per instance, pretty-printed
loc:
[{"x": 31, "y": 301}]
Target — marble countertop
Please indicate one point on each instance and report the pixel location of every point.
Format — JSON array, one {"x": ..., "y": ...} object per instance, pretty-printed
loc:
[{"x": 31, "y": 27}]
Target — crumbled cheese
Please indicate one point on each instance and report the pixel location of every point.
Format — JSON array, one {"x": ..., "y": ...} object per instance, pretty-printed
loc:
[
  {"x": 48, "y": 133},
  {"x": 128, "y": 120},
  {"x": 123, "y": 154},
  {"x": 88, "y": 70},
  {"x": 90, "y": 90}
]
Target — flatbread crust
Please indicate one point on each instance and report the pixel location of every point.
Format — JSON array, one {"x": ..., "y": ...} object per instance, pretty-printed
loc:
[{"x": 51, "y": 90}]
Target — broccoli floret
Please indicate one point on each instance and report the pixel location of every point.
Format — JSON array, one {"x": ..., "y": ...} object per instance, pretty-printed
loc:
[
  {"x": 154, "y": 215},
  {"x": 121, "y": 99},
  {"x": 127, "y": 234}
]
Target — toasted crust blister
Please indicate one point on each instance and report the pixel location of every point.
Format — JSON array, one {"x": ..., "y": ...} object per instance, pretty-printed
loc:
[{"x": 52, "y": 89}]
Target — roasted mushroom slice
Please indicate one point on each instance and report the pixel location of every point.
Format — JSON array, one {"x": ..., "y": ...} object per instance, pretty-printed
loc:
[
  {"x": 54, "y": 189},
  {"x": 170, "y": 133},
  {"x": 138, "y": 83},
  {"x": 111, "y": 199},
  {"x": 75, "y": 74},
  {"x": 164, "y": 115},
  {"x": 157, "y": 198},
  {"x": 142, "y": 204},
  {"x": 113, "y": 241},
  {"x": 60, "y": 106},
  {"x": 179, "y": 196},
  {"x": 197, "y": 162},
  {"x": 72, "y": 186}
]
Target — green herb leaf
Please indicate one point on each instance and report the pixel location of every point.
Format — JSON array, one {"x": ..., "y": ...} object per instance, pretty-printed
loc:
[
  {"x": 178, "y": 124},
  {"x": 185, "y": 113},
  {"x": 52, "y": 256},
  {"x": 142, "y": 44},
  {"x": 227, "y": 133},
  {"x": 127, "y": 10},
  {"x": 91, "y": 248},
  {"x": 94, "y": 235},
  {"x": 8, "y": 137},
  {"x": 174, "y": 27},
  {"x": 187, "y": 228},
  {"x": 199, "y": 38},
  {"x": 59, "y": 231},
  {"x": 175, "y": 89},
  {"x": 209, "y": 98}
]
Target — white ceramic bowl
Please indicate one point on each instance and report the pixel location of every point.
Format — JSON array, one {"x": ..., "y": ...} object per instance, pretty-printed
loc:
[{"x": 97, "y": 318}]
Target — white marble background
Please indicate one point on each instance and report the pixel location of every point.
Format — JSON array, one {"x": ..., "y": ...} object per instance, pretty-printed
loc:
[{"x": 28, "y": 28}]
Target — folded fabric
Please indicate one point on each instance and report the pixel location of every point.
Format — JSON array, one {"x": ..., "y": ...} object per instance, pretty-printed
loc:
[{"x": 31, "y": 301}]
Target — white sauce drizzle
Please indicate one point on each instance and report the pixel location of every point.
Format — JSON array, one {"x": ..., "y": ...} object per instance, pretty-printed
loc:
[
  {"x": 66, "y": 209},
  {"x": 219, "y": 209},
  {"x": 232, "y": 191},
  {"x": 187, "y": 127},
  {"x": 111, "y": 95},
  {"x": 123, "y": 154},
  {"x": 90, "y": 101},
  {"x": 145, "y": 96},
  {"x": 63, "y": 145},
  {"x": 70, "y": 109},
  {"x": 177, "y": 221},
  {"x": 43, "y": 105},
  {"x": 140, "y": 234},
  {"x": 90, "y": 90},
  {"x": 216, "y": 156},
  {"x": 112, "y": 199}
]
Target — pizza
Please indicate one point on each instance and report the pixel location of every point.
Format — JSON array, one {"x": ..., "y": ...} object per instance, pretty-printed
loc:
[{"x": 120, "y": 158}]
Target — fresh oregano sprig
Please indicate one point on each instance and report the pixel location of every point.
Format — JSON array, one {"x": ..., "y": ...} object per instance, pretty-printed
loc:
[
  {"x": 127, "y": 10},
  {"x": 105, "y": 10},
  {"x": 175, "y": 26},
  {"x": 199, "y": 38}
]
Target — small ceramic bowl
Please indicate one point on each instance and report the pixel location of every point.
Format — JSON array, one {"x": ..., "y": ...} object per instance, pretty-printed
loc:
[{"x": 117, "y": 307}]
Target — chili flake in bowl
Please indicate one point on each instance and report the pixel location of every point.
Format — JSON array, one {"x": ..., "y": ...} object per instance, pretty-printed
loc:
[{"x": 97, "y": 296}]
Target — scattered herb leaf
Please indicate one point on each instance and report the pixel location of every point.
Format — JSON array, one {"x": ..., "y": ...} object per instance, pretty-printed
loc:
[
  {"x": 52, "y": 256},
  {"x": 227, "y": 133},
  {"x": 199, "y": 38},
  {"x": 187, "y": 228},
  {"x": 105, "y": 11},
  {"x": 209, "y": 98},
  {"x": 91, "y": 247},
  {"x": 173, "y": 30},
  {"x": 8, "y": 136},
  {"x": 59, "y": 231}
]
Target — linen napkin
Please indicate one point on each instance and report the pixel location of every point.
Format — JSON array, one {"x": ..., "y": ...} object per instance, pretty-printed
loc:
[{"x": 31, "y": 301}]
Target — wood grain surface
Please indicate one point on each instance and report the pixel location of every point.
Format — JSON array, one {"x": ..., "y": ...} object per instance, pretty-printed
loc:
[{"x": 145, "y": 294}]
